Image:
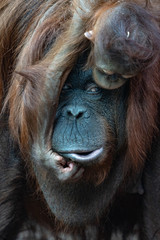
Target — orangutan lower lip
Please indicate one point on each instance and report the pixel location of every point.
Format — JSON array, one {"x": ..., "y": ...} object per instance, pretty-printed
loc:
[{"x": 83, "y": 156}]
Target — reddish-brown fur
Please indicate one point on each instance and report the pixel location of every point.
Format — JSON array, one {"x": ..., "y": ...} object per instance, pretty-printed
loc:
[
  {"x": 26, "y": 106},
  {"x": 144, "y": 96},
  {"x": 27, "y": 68}
]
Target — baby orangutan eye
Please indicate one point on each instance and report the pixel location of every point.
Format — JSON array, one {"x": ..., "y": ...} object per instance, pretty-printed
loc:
[
  {"x": 108, "y": 81},
  {"x": 107, "y": 72},
  {"x": 128, "y": 76},
  {"x": 112, "y": 75}
]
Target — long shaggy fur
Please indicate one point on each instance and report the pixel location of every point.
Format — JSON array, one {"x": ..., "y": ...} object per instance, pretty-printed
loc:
[
  {"x": 30, "y": 64},
  {"x": 37, "y": 41}
]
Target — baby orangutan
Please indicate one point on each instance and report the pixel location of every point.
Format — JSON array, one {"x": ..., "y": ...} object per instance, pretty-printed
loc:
[{"x": 124, "y": 43}]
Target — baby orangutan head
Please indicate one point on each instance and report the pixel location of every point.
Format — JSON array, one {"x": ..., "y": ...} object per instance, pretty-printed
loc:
[{"x": 124, "y": 41}]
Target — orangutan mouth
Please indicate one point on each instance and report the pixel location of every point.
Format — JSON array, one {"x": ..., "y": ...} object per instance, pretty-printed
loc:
[{"x": 83, "y": 157}]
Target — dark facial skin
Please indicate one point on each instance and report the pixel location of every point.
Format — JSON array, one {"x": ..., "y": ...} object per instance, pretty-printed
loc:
[
  {"x": 82, "y": 109},
  {"x": 106, "y": 76},
  {"x": 86, "y": 136},
  {"x": 112, "y": 66},
  {"x": 122, "y": 37}
]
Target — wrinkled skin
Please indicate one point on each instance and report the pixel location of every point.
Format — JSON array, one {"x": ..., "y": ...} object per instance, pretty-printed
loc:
[
  {"x": 86, "y": 120},
  {"x": 81, "y": 174},
  {"x": 93, "y": 208}
]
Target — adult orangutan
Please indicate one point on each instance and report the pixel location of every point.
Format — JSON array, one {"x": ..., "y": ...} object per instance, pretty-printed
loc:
[{"x": 72, "y": 152}]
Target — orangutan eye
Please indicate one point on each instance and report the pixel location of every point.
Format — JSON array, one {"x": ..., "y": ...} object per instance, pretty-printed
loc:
[
  {"x": 93, "y": 89},
  {"x": 104, "y": 71},
  {"x": 101, "y": 71},
  {"x": 107, "y": 72},
  {"x": 67, "y": 86},
  {"x": 128, "y": 76},
  {"x": 113, "y": 76}
]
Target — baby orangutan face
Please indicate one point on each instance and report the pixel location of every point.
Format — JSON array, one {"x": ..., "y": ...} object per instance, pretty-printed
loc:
[
  {"x": 120, "y": 40},
  {"x": 109, "y": 72}
]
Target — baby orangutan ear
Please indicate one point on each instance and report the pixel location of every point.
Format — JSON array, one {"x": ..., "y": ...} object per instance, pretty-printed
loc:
[{"x": 89, "y": 35}]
